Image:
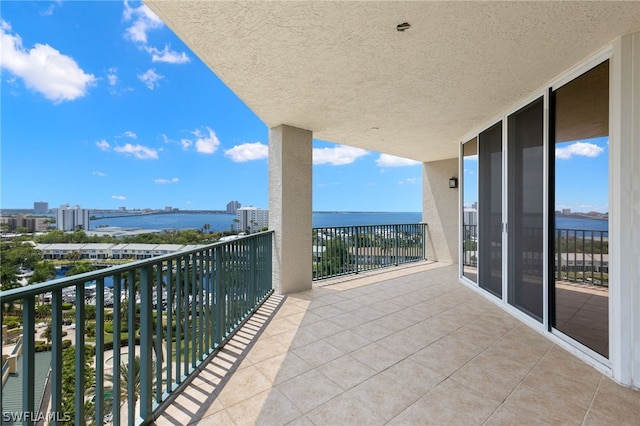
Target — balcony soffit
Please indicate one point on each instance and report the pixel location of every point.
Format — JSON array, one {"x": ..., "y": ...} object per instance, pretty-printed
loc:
[{"x": 342, "y": 70}]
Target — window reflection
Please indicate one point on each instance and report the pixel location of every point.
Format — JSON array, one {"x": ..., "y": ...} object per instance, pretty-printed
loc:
[{"x": 470, "y": 210}]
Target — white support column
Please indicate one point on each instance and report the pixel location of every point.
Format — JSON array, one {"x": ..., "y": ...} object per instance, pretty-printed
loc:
[
  {"x": 440, "y": 210},
  {"x": 290, "y": 204},
  {"x": 624, "y": 216}
]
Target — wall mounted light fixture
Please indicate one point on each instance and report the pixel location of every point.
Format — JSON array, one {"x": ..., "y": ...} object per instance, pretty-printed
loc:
[{"x": 453, "y": 182}]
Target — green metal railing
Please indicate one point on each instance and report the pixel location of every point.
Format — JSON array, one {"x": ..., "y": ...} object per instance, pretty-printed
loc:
[
  {"x": 352, "y": 249},
  {"x": 169, "y": 314}
]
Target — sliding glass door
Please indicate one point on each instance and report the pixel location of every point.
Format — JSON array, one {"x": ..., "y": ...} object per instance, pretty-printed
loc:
[
  {"x": 535, "y": 234},
  {"x": 490, "y": 209},
  {"x": 525, "y": 206},
  {"x": 579, "y": 238}
]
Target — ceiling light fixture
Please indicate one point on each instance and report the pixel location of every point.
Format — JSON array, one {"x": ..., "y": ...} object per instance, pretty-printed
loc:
[{"x": 403, "y": 27}]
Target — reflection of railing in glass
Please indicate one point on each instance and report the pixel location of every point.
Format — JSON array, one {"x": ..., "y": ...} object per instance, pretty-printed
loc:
[
  {"x": 582, "y": 256},
  {"x": 470, "y": 245}
]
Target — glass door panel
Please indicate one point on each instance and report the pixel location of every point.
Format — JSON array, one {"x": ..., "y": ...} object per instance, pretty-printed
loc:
[
  {"x": 490, "y": 209},
  {"x": 579, "y": 296},
  {"x": 525, "y": 208},
  {"x": 470, "y": 210}
]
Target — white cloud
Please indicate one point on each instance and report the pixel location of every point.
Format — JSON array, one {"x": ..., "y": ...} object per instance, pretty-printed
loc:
[
  {"x": 128, "y": 134},
  {"x": 43, "y": 69},
  {"x": 583, "y": 149},
  {"x": 386, "y": 160},
  {"x": 138, "y": 151},
  {"x": 112, "y": 76},
  {"x": 143, "y": 19},
  {"x": 207, "y": 142},
  {"x": 166, "y": 181},
  {"x": 103, "y": 145},
  {"x": 337, "y": 156},
  {"x": 119, "y": 197},
  {"x": 167, "y": 55},
  {"x": 186, "y": 143},
  {"x": 248, "y": 152},
  {"x": 101, "y": 174},
  {"x": 48, "y": 11},
  {"x": 150, "y": 78}
]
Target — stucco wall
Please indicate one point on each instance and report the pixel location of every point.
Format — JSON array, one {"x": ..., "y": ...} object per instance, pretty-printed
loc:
[{"x": 440, "y": 210}]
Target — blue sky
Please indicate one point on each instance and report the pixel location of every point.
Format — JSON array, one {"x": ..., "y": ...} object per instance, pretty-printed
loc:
[
  {"x": 582, "y": 176},
  {"x": 103, "y": 106}
]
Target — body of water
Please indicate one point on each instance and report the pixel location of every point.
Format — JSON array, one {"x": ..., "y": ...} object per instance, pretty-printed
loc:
[{"x": 223, "y": 222}]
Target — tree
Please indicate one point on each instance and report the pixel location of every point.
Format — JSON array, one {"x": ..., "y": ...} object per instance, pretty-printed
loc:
[
  {"x": 43, "y": 271},
  {"x": 206, "y": 227},
  {"x": 79, "y": 268}
]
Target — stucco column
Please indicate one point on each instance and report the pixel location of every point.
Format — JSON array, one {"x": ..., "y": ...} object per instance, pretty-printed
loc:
[
  {"x": 440, "y": 210},
  {"x": 624, "y": 208},
  {"x": 290, "y": 203}
]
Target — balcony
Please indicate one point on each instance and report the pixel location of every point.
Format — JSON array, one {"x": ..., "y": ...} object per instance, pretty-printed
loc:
[{"x": 408, "y": 346}]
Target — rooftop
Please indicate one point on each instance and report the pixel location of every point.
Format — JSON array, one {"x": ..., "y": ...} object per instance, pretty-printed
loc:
[{"x": 410, "y": 346}]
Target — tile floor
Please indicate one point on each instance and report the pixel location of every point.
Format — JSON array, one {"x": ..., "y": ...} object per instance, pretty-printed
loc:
[{"x": 409, "y": 346}]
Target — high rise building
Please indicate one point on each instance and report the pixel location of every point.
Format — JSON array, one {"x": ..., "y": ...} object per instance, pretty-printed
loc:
[
  {"x": 40, "y": 207},
  {"x": 252, "y": 219},
  {"x": 233, "y": 206},
  {"x": 71, "y": 219}
]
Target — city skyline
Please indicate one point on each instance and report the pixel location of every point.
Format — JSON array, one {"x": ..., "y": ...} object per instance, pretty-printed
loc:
[{"x": 103, "y": 106}]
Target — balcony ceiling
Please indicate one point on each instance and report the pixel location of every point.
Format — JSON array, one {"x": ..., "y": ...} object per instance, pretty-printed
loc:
[{"x": 342, "y": 70}]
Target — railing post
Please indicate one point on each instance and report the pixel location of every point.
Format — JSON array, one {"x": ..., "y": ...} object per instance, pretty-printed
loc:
[
  {"x": 252, "y": 272},
  {"x": 56, "y": 353},
  {"x": 357, "y": 249},
  {"x": 99, "y": 385},
  {"x": 80, "y": 354},
  {"x": 146, "y": 344},
  {"x": 28, "y": 354}
]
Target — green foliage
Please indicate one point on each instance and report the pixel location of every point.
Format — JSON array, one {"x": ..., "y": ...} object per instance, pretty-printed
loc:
[
  {"x": 11, "y": 321},
  {"x": 69, "y": 385},
  {"x": 66, "y": 306},
  {"x": 80, "y": 268},
  {"x": 43, "y": 271}
]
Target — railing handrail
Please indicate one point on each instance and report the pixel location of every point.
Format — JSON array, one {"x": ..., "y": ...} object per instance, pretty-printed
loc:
[{"x": 59, "y": 283}]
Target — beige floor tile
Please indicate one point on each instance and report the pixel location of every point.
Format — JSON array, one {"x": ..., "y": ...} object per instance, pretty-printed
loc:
[
  {"x": 377, "y": 357},
  {"x": 318, "y": 352},
  {"x": 347, "y": 372},
  {"x": 542, "y": 406},
  {"x": 281, "y": 368},
  {"x": 309, "y": 390},
  {"x": 384, "y": 395},
  {"x": 619, "y": 404},
  {"x": 372, "y": 331},
  {"x": 243, "y": 384},
  {"x": 265, "y": 348},
  {"x": 403, "y": 343},
  {"x": 266, "y": 408},
  {"x": 219, "y": 418},
  {"x": 462, "y": 401},
  {"x": 562, "y": 386},
  {"x": 559, "y": 361},
  {"x": 345, "y": 410},
  {"x": 347, "y": 341},
  {"x": 510, "y": 417},
  {"x": 413, "y": 376}
]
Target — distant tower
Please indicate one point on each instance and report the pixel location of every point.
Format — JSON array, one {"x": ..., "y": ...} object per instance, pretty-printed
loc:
[
  {"x": 71, "y": 219},
  {"x": 40, "y": 207},
  {"x": 233, "y": 206},
  {"x": 252, "y": 219}
]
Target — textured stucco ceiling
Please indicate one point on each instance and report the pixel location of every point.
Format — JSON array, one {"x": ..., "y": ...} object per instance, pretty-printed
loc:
[{"x": 342, "y": 70}]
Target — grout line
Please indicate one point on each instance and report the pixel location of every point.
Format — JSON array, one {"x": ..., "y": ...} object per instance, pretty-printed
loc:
[{"x": 593, "y": 398}]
